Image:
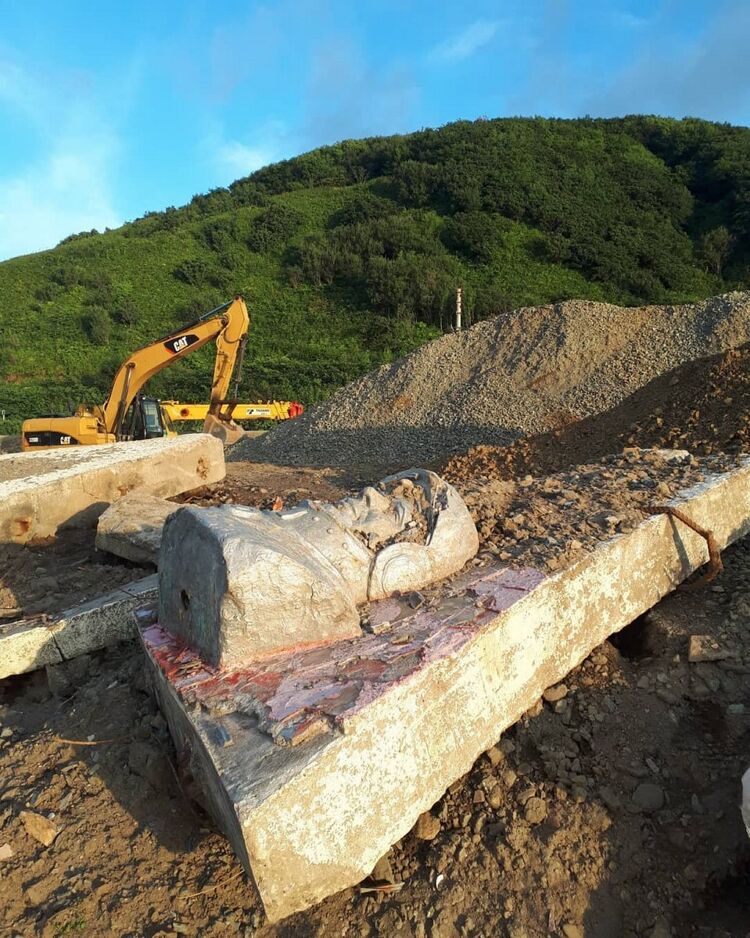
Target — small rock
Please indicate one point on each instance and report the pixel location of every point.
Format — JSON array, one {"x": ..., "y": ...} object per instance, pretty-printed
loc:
[
  {"x": 536, "y": 810},
  {"x": 38, "y": 827},
  {"x": 496, "y": 796},
  {"x": 427, "y": 826},
  {"x": 661, "y": 929},
  {"x": 382, "y": 871},
  {"x": 648, "y": 797},
  {"x": 610, "y": 798},
  {"x": 6, "y": 851},
  {"x": 706, "y": 648},
  {"x": 553, "y": 694},
  {"x": 509, "y": 778},
  {"x": 572, "y": 931},
  {"x": 495, "y": 755}
]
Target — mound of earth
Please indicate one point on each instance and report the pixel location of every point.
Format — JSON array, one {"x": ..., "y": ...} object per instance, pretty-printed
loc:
[
  {"x": 703, "y": 407},
  {"x": 525, "y": 372}
]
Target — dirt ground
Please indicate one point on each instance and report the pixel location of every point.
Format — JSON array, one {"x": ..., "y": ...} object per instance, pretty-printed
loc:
[{"x": 610, "y": 809}]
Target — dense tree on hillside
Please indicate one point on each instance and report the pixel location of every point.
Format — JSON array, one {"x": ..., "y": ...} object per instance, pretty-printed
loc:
[{"x": 351, "y": 254}]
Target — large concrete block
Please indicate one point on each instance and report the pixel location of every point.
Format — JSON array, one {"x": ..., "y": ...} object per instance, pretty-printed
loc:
[
  {"x": 315, "y": 761},
  {"x": 40, "y": 492},
  {"x": 132, "y": 526},
  {"x": 30, "y": 644},
  {"x": 236, "y": 582}
]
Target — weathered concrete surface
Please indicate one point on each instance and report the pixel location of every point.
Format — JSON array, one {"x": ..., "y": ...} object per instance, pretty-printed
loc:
[
  {"x": 31, "y": 644},
  {"x": 40, "y": 492},
  {"x": 385, "y": 723},
  {"x": 132, "y": 526},
  {"x": 236, "y": 582}
]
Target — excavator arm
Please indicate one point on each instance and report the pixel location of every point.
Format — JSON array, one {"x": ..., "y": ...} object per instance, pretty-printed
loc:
[{"x": 227, "y": 324}]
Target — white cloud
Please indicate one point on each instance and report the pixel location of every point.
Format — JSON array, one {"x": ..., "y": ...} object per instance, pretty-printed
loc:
[
  {"x": 68, "y": 187},
  {"x": 237, "y": 159},
  {"x": 466, "y": 43},
  {"x": 65, "y": 192}
]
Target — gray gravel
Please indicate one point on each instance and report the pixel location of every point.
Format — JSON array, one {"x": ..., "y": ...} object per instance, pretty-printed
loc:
[{"x": 521, "y": 373}]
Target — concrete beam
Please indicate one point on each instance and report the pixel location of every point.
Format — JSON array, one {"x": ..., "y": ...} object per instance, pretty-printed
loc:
[
  {"x": 40, "y": 492},
  {"x": 315, "y": 762},
  {"x": 32, "y": 643}
]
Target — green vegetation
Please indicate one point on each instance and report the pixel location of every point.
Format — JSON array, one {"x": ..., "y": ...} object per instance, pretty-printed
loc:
[{"x": 349, "y": 256}]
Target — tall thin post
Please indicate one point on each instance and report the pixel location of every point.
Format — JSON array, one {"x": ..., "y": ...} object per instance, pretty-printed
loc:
[{"x": 458, "y": 309}]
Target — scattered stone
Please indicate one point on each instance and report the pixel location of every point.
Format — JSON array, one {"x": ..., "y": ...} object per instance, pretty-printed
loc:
[
  {"x": 427, "y": 826},
  {"x": 648, "y": 797},
  {"x": 572, "y": 931},
  {"x": 496, "y": 794},
  {"x": 553, "y": 694},
  {"x": 39, "y": 827},
  {"x": 536, "y": 810},
  {"x": 6, "y": 851},
  {"x": 706, "y": 648},
  {"x": 495, "y": 755},
  {"x": 610, "y": 798},
  {"x": 382, "y": 871}
]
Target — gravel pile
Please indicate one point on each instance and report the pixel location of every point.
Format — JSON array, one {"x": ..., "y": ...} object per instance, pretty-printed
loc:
[{"x": 525, "y": 372}]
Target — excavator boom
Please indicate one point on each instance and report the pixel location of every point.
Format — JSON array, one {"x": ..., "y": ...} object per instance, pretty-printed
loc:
[{"x": 228, "y": 324}]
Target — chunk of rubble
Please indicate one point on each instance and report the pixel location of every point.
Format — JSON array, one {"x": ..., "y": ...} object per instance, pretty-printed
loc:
[
  {"x": 132, "y": 526},
  {"x": 237, "y": 582},
  {"x": 314, "y": 761}
]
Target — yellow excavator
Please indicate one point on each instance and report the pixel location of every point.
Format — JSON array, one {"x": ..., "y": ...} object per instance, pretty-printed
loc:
[
  {"x": 126, "y": 415},
  {"x": 261, "y": 410}
]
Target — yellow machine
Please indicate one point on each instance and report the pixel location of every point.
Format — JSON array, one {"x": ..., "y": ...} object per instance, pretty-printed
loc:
[
  {"x": 262, "y": 410},
  {"x": 126, "y": 415}
]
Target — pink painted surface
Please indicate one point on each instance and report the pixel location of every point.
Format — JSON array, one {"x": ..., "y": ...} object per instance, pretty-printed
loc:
[{"x": 299, "y": 693}]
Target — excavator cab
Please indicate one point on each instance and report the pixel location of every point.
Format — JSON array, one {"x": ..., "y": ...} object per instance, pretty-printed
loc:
[{"x": 146, "y": 419}]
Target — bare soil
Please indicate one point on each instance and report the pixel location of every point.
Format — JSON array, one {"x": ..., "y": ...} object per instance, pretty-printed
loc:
[{"x": 610, "y": 809}]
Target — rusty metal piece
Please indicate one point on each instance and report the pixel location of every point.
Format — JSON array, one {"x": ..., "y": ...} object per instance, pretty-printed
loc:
[{"x": 715, "y": 563}]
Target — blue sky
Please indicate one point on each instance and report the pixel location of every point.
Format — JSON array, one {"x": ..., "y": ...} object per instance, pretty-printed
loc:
[{"x": 108, "y": 110}]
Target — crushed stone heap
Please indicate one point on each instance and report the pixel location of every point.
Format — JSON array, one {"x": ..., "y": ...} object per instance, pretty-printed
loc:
[{"x": 524, "y": 372}]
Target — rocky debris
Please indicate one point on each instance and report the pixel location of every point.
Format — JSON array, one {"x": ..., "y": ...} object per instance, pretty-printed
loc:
[
  {"x": 39, "y": 827},
  {"x": 706, "y": 648},
  {"x": 6, "y": 851},
  {"x": 522, "y": 373},
  {"x": 552, "y": 521}
]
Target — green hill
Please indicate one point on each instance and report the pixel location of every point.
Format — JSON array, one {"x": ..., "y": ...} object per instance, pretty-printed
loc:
[{"x": 349, "y": 255}]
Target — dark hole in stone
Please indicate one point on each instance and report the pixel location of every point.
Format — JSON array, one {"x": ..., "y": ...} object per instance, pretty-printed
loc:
[
  {"x": 185, "y": 599},
  {"x": 637, "y": 640}
]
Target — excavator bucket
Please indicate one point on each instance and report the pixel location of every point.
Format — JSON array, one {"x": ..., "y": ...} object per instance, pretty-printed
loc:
[{"x": 226, "y": 430}]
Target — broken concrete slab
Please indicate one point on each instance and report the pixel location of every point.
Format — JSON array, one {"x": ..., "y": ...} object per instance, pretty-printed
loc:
[
  {"x": 132, "y": 526},
  {"x": 237, "y": 582},
  {"x": 40, "y": 492},
  {"x": 32, "y": 643},
  {"x": 315, "y": 761}
]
